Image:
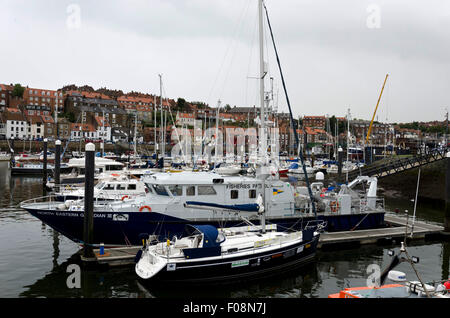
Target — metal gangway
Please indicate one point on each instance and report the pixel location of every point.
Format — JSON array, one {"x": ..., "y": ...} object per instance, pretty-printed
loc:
[{"x": 394, "y": 166}]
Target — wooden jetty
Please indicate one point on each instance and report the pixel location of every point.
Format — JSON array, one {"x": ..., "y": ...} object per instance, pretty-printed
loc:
[{"x": 396, "y": 230}]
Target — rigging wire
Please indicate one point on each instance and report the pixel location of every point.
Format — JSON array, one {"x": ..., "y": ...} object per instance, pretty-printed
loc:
[
  {"x": 233, "y": 53},
  {"x": 292, "y": 119},
  {"x": 250, "y": 59},
  {"x": 227, "y": 50}
]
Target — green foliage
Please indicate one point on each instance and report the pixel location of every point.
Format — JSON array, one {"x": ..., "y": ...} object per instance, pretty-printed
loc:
[
  {"x": 168, "y": 121},
  {"x": 341, "y": 126},
  {"x": 181, "y": 104},
  {"x": 424, "y": 129},
  {"x": 18, "y": 91},
  {"x": 71, "y": 117}
]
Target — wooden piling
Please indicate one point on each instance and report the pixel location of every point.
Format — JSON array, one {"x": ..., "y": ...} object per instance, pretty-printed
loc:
[{"x": 88, "y": 230}]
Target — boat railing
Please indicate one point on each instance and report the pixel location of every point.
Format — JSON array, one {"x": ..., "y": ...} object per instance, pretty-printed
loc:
[
  {"x": 371, "y": 204},
  {"x": 50, "y": 199}
]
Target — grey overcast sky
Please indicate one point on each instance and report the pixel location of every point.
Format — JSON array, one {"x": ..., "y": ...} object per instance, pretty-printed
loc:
[{"x": 335, "y": 54}]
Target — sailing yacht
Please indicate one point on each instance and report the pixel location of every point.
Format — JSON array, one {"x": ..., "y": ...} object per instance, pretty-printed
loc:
[{"x": 209, "y": 254}]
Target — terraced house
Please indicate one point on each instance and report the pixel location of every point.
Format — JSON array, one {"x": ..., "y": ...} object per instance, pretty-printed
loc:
[
  {"x": 13, "y": 124},
  {"x": 86, "y": 106},
  {"x": 144, "y": 106}
]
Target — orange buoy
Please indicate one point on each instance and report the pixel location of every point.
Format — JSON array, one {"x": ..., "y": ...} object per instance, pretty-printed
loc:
[
  {"x": 145, "y": 207},
  {"x": 447, "y": 285},
  {"x": 334, "y": 205},
  {"x": 125, "y": 197}
]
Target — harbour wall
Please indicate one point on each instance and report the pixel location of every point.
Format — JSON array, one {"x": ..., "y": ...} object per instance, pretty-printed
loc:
[{"x": 431, "y": 185}]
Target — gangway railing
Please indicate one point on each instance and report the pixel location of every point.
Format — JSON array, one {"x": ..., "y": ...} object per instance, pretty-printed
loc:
[{"x": 398, "y": 165}]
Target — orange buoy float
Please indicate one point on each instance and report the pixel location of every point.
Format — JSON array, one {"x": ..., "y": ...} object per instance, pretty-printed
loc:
[
  {"x": 334, "y": 205},
  {"x": 125, "y": 197},
  {"x": 145, "y": 207}
]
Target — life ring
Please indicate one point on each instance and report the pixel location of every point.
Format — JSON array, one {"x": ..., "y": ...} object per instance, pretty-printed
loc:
[
  {"x": 145, "y": 207},
  {"x": 334, "y": 206},
  {"x": 125, "y": 197}
]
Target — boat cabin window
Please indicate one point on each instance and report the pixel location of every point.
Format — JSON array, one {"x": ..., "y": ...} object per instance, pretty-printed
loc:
[
  {"x": 109, "y": 186},
  {"x": 160, "y": 190},
  {"x": 121, "y": 187},
  {"x": 252, "y": 194},
  {"x": 176, "y": 190},
  {"x": 206, "y": 190},
  {"x": 100, "y": 185},
  {"x": 149, "y": 188},
  {"x": 113, "y": 167},
  {"x": 234, "y": 194},
  {"x": 190, "y": 190},
  {"x": 131, "y": 187}
]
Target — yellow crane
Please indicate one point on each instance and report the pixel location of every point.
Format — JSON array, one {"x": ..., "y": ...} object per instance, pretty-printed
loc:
[{"x": 379, "y": 98}]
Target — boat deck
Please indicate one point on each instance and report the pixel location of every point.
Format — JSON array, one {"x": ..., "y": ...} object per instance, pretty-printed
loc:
[{"x": 126, "y": 255}]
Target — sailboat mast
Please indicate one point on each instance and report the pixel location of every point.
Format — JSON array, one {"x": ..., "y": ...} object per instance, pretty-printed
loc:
[
  {"x": 135, "y": 136},
  {"x": 262, "y": 109},
  {"x": 161, "y": 109},
  {"x": 261, "y": 79},
  {"x": 154, "y": 124},
  {"x": 217, "y": 134}
]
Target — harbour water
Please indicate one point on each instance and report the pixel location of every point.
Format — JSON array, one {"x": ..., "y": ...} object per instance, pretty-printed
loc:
[{"x": 34, "y": 260}]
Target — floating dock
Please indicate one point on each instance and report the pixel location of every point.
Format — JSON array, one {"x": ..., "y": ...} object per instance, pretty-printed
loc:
[{"x": 396, "y": 229}]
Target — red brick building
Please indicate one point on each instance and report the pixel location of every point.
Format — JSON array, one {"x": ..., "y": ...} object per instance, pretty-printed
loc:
[
  {"x": 314, "y": 122},
  {"x": 5, "y": 95}
]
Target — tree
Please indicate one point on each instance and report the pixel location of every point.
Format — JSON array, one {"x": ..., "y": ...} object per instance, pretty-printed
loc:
[
  {"x": 18, "y": 91},
  {"x": 181, "y": 103}
]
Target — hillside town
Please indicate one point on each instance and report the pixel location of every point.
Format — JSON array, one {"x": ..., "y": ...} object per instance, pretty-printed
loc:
[{"x": 82, "y": 113}]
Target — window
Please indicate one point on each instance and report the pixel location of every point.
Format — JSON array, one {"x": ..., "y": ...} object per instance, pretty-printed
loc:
[
  {"x": 131, "y": 187},
  {"x": 160, "y": 190},
  {"x": 109, "y": 187},
  {"x": 190, "y": 190},
  {"x": 252, "y": 194},
  {"x": 100, "y": 185},
  {"x": 121, "y": 187},
  {"x": 206, "y": 190},
  {"x": 176, "y": 190},
  {"x": 234, "y": 194}
]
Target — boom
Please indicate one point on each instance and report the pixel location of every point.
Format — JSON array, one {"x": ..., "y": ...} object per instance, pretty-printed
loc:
[{"x": 379, "y": 98}]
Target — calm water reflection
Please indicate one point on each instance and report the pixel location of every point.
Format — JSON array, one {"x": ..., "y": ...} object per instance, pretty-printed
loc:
[{"x": 34, "y": 259}]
